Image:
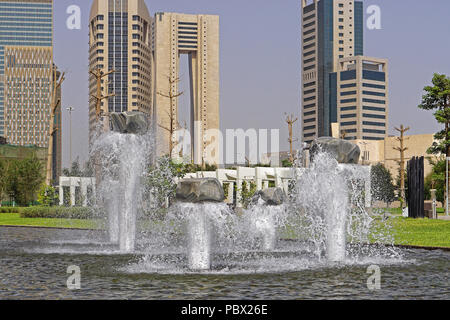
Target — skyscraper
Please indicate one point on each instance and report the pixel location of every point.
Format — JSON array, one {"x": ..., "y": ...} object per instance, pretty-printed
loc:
[
  {"x": 119, "y": 40},
  {"x": 331, "y": 30},
  {"x": 361, "y": 97},
  {"x": 143, "y": 54},
  {"x": 26, "y": 74},
  {"x": 196, "y": 36}
]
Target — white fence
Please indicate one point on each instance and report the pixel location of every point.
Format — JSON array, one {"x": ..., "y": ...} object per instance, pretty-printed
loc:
[
  {"x": 74, "y": 184},
  {"x": 262, "y": 177}
]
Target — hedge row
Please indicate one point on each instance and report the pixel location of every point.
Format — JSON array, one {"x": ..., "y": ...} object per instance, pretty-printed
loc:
[
  {"x": 9, "y": 209},
  {"x": 58, "y": 212}
]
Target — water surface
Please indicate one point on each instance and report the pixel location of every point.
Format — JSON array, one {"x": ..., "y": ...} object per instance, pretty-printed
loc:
[{"x": 34, "y": 262}]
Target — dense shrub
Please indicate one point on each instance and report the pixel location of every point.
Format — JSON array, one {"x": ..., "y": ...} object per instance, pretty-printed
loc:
[
  {"x": 59, "y": 212},
  {"x": 9, "y": 209}
]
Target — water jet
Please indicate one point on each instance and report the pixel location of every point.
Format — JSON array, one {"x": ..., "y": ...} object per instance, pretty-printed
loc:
[{"x": 198, "y": 196}]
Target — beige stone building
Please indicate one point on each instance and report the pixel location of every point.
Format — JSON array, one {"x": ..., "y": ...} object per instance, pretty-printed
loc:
[
  {"x": 362, "y": 97},
  {"x": 26, "y": 76},
  {"x": 145, "y": 52},
  {"x": 198, "y": 37},
  {"x": 120, "y": 40},
  {"x": 382, "y": 151}
]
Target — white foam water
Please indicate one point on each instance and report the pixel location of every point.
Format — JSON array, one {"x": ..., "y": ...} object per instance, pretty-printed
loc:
[
  {"x": 330, "y": 203},
  {"x": 207, "y": 226},
  {"x": 260, "y": 225},
  {"x": 121, "y": 160}
]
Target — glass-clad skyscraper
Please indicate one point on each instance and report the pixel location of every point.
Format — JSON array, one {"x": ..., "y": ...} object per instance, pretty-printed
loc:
[
  {"x": 26, "y": 75},
  {"x": 26, "y": 37},
  {"x": 331, "y": 30}
]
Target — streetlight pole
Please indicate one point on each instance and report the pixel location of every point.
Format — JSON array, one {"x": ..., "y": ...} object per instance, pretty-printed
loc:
[{"x": 70, "y": 109}]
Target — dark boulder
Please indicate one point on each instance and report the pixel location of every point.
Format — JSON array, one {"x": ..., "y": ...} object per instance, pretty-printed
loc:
[
  {"x": 200, "y": 190},
  {"x": 341, "y": 150},
  {"x": 129, "y": 122},
  {"x": 271, "y": 196}
]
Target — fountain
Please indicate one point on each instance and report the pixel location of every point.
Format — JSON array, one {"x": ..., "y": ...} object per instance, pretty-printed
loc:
[
  {"x": 123, "y": 153},
  {"x": 325, "y": 210},
  {"x": 329, "y": 207},
  {"x": 282, "y": 241},
  {"x": 199, "y": 196},
  {"x": 265, "y": 215}
]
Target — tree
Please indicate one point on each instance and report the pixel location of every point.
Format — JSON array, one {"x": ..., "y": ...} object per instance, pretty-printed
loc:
[
  {"x": 172, "y": 95},
  {"x": 291, "y": 121},
  {"x": 11, "y": 179},
  {"x": 398, "y": 184},
  {"x": 402, "y": 149},
  {"x": 2, "y": 180},
  {"x": 47, "y": 196},
  {"x": 75, "y": 169},
  {"x": 382, "y": 186},
  {"x": 436, "y": 180},
  {"x": 55, "y": 102},
  {"x": 286, "y": 163},
  {"x": 248, "y": 190},
  {"x": 30, "y": 178},
  {"x": 22, "y": 179},
  {"x": 161, "y": 184},
  {"x": 437, "y": 98}
]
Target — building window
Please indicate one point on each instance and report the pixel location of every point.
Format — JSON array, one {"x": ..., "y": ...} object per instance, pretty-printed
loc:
[
  {"x": 348, "y": 75},
  {"x": 374, "y": 101},
  {"x": 348, "y": 93},
  {"x": 376, "y": 124},
  {"x": 375, "y": 86},
  {"x": 371, "y": 93},
  {"x": 374, "y": 75},
  {"x": 374, "y": 131},
  {"x": 374, "y": 109},
  {"x": 374, "y": 116},
  {"x": 348, "y": 100}
]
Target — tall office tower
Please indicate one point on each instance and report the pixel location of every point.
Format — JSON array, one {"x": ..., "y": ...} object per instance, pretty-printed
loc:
[
  {"x": 362, "y": 97},
  {"x": 331, "y": 30},
  {"x": 198, "y": 37},
  {"x": 119, "y": 40},
  {"x": 26, "y": 73}
]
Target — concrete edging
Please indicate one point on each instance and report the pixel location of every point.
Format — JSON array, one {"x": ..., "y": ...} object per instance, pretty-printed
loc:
[{"x": 43, "y": 227}]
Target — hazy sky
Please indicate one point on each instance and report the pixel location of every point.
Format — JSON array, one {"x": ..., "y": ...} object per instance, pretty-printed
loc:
[{"x": 260, "y": 60}]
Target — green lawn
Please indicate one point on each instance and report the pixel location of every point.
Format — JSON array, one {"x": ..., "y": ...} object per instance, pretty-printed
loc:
[
  {"x": 398, "y": 211},
  {"x": 422, "y": 232},
  {"x": 415, "y": 232},
  {"x": 14, "y": 219}
]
